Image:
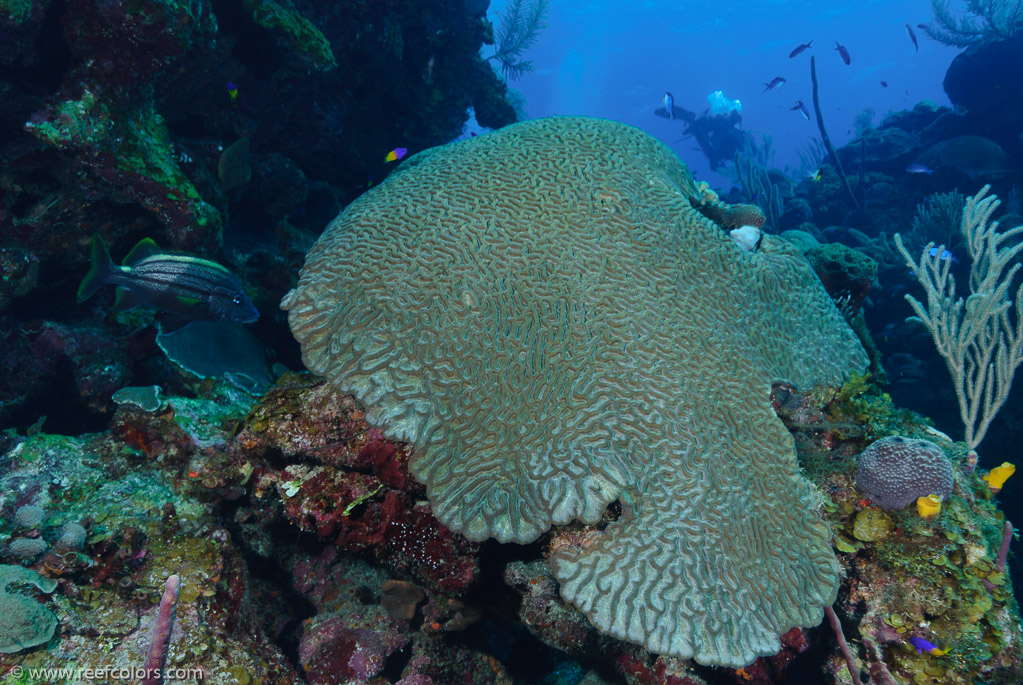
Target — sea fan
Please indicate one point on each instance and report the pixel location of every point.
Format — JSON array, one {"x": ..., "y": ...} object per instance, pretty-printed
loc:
[
  {"x": 518, "y": 31},
  {"x": 983, "y": 21}
]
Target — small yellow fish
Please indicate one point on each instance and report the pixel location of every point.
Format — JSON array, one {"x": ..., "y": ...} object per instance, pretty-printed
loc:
[
  {"x": 997, "y": 476},
  {"x": 232, "y": 91},
  {"x": 928, "y": 507}
]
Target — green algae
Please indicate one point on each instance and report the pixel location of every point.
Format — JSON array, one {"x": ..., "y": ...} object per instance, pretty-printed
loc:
[
  {"x": 136, "y": 142},
  {"x": 860, "y": 404},
  {"x": 872, "y": 525},
  {"x": 17, "y": 11},
  {"x": 84, "y": 122},
  {"x": 146, "y": 151},
  {"x": 306, "y": 41}
]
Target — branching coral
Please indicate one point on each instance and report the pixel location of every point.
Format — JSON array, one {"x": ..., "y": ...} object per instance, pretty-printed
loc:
[
  {"x": 518, "y": 31},
  {"x": 984, "y": 21},
  {"x": 981, "y": 341}
]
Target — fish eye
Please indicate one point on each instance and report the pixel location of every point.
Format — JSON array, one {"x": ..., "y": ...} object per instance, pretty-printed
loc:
[{"x": 237, "y": 299}]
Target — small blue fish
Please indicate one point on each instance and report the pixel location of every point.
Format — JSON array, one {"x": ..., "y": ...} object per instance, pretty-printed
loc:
[
  {"x": 923, "y": 645},
  {"x": 816, "y": 176},
  {"x": 912, "y": 37},
  {"x": 843, "y": 53},
  {"x": 801, "y": 108},
  {"x": 775, "y": 82},
  {"x": 919, "y": 169},
  {"x": 945, "y": 254},
  {"x": 670, "y": 111},
  {"x": 799, "y": 48}
]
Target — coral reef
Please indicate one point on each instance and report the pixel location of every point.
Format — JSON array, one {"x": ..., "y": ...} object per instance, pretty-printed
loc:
[
  {"x": 907, "y": 576},
  {"x": 136, "y": 449}
]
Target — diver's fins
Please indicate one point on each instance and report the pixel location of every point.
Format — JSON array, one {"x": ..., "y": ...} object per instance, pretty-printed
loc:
[{"x": 99, "y": 271}]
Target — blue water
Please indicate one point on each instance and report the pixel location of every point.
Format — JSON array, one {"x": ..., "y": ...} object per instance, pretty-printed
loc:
[{"x": 615, "y": 60}]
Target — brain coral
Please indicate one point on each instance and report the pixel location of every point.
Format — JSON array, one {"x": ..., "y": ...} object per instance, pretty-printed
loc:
[
  {"x": 545, "y": 315},
  {"x": 895, "y": 471}
]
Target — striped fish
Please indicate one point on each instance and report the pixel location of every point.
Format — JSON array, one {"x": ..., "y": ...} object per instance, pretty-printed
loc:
[{"x": 171, "y": 282}]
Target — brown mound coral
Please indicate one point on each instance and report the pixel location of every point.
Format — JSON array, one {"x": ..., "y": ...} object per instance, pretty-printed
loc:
[{"x": 544, "y": 314}]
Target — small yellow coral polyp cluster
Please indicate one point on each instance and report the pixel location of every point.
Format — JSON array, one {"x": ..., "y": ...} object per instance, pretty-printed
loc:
[{"x": 546, "y": 316}]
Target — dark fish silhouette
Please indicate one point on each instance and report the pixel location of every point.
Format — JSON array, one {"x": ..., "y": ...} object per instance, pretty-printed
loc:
[
  {"x": 912, "y": 37},
  {"x": 799, "y": 48},
  {"x": 775, "y": 82},
  {"x": 884, "y": 84},
  {"x": 172, "y": 282},
  {"x": 801, "y": 108},
  {"x": 843, "y": 53}
]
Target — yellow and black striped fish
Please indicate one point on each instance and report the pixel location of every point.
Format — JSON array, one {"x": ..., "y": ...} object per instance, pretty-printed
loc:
[{"x": 172, "y": 282}]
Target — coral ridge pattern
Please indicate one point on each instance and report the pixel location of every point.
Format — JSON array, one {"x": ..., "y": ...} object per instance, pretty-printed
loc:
[{"x": 546, "y": 316}]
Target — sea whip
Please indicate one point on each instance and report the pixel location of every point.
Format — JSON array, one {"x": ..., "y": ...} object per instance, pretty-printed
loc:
[
  {"x": 836, "y": 626},
  {"x": 824, "y": 135}
]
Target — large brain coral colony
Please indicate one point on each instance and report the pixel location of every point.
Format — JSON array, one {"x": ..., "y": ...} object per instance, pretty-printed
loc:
[{"x": 554, "y": 333}]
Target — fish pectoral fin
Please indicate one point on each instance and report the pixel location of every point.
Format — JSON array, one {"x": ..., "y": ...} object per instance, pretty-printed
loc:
[
  {"x": 124, "y": 300},
  {"x": 100, "y": 269},
  {"x": 146, "y": 247}
]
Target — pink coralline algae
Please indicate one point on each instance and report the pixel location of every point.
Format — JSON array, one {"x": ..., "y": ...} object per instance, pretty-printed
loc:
[
  {"x": 331, "y": 651},
  {"x": 895, "y": 471},
  {"x": 359, "y": 493}
]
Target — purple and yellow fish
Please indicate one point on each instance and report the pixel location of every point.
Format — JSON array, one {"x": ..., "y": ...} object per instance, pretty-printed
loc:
[
  {"x": 923, "y": 645},
  {"x": 396, "y": 154}
]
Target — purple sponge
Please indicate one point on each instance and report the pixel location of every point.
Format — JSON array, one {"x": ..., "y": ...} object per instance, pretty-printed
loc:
[{"x": 895, "y": 471}]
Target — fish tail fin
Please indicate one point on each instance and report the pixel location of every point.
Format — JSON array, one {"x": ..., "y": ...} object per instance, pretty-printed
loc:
[{"x": 99, "y": 270}]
